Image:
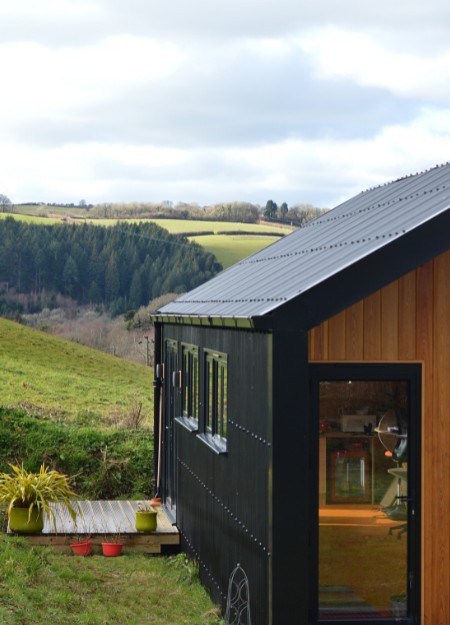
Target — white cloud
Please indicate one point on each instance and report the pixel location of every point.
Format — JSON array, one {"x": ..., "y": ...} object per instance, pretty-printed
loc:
[
  {"x": 48, "y": 81},
  {"x": 361, "y": 58},
  {"x": 207, "y": 101}
]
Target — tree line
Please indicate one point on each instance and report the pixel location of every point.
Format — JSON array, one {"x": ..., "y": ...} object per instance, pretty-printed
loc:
[
  {"x": 121, "y": 267},
  {"x": 241, "y": 212},
  {"x": 238, "y": 211}
]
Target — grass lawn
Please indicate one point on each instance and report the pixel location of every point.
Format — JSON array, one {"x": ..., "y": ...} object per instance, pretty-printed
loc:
[
  {"x": 39, "y": 587},
  {"x": 61, "y": 379}
]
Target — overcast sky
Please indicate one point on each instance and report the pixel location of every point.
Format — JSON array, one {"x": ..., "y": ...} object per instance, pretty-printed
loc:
[{"x": 303, "y": 101}]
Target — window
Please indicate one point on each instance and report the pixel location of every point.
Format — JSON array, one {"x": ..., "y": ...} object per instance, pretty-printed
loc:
[
  {"x": 189, "y": 384},
  {"x": 216, "y": 401}
]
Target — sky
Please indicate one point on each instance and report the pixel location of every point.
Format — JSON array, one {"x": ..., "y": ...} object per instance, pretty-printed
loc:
[{"x": 208, "y": 101}]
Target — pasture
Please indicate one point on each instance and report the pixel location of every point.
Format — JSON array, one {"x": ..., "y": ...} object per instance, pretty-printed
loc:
[{"x": 62, "y": 380}]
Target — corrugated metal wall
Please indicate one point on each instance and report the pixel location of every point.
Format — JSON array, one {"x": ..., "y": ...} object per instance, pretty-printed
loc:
[{"x": 223, "y": 500}]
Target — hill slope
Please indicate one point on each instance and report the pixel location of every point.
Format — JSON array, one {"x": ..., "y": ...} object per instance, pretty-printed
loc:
[{"x": 63, "y": 380}]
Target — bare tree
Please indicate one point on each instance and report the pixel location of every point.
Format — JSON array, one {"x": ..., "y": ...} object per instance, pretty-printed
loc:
[{"x": 5, "y": 203}]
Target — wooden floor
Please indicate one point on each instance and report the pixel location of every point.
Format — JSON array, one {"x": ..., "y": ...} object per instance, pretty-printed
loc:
[
  {"x": 105, "y": 521},
  {"x": 356, "y": 515}
]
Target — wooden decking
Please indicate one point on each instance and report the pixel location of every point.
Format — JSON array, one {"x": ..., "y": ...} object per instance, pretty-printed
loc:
[{"x": 105, "y": 521}]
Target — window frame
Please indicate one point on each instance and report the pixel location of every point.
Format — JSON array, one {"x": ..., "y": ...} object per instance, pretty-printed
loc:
[
  {"x": 215, "y": 400},
  {"x": 190, "y": 387}
]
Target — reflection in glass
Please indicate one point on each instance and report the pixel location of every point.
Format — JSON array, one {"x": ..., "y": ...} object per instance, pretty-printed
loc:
[{"x": 362, "y": 491}]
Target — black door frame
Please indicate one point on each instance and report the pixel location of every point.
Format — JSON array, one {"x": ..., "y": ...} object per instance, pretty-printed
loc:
[
  {"x": 171, "y": 399},
  {"x": 411, "y": 372}
]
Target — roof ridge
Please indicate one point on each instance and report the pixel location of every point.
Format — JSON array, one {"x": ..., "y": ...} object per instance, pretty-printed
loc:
[
  {"x": 326, "y": 218},
  {"x": 418, "y": 173}
]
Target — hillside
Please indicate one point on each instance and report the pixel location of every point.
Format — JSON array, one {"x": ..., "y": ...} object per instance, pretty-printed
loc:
[{"x": 62, "y": 380}]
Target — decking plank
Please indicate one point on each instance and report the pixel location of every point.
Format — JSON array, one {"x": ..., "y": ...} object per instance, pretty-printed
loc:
[{"x": 104, "y": 521}]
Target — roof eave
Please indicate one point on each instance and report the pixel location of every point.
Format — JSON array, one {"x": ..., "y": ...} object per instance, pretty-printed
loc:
[{"x": 243, "y": 323}]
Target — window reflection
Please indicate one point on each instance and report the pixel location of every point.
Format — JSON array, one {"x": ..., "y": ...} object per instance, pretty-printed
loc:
[{"x": 362, "y": 492}]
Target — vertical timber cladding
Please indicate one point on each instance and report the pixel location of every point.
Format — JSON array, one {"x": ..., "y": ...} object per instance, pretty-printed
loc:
[
  {"x": 223, "y": 507},
  {"x": 408, "y": 320}
]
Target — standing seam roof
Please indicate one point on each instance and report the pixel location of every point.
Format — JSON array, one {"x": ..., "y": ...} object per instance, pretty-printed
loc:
[{"x": 322, "y": 248}]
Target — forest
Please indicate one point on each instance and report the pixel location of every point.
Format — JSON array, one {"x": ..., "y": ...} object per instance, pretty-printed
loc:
[{"x": 120, "y": 267}]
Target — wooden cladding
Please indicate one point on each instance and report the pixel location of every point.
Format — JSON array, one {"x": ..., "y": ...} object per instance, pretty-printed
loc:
[{"x": 409, "y": 320}]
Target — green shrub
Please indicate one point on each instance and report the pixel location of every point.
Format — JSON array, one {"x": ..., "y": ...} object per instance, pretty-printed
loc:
[{"x": 103, "y": 464}]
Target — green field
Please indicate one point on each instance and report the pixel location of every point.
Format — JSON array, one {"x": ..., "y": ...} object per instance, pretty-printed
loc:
[
  {"x": 179, "y": 226},
  {"x": 64, "y": 380},
  {"x": 31, "y": 219},
  {"x": 230, "y": 249}
]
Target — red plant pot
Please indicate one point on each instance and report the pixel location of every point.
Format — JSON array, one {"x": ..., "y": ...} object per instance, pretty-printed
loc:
[
  {"x": 110, "y": 550},
  {"x": 83, "y": 548}
]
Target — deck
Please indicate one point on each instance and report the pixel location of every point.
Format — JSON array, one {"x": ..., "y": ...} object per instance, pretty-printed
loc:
[{"x": 105, "y": 521}]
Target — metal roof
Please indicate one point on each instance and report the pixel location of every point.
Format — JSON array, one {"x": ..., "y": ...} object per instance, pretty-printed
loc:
[{"x": 342, "y": 237}]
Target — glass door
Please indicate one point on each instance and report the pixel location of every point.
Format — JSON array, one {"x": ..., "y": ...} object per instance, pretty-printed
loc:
[{"x": 367, "y": 461}]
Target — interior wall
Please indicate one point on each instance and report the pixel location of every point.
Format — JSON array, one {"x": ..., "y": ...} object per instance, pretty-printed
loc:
[{"x": 409, "y": 320}]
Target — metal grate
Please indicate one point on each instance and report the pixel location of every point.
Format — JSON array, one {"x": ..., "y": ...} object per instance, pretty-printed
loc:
[{"x": 238, "y": 599}]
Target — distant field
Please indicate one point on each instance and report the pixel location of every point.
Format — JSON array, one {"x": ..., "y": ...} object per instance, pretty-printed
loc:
[
  {"x": 31, "y": 219},
  {"x": 178, "y": 226},
  {"x": 230, "y": 249},
  {"x": 64, "y": 380},
  {"x": 45, "y": 209}
]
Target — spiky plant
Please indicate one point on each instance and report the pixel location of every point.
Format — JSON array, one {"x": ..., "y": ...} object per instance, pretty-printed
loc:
[{"x": 24, "y": 489}]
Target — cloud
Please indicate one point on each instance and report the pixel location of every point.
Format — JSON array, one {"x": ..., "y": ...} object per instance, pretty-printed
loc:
[
  {"x": 202, "y": 101},
  {"x": 361, "y": 59}
]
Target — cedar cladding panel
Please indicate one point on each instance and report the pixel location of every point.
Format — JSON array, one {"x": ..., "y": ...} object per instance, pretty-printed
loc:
[{"x": 409, "y": 320}]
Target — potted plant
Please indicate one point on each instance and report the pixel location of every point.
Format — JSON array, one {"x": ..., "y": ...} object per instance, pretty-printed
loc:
[
  {"x": 112, "y": 549},
  {"x": 29, "y": 495},
  {"x": 82, "y": 547},
  {"x": 146, "y": 518},
  {"x": 82, "y": 543}
]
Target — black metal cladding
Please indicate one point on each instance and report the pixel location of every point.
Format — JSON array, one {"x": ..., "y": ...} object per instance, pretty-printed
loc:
[{"x": 223, "y": 500}]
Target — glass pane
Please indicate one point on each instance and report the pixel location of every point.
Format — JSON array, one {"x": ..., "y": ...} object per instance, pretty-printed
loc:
[
  {"x": 210, "y": 386},
  {"x": 195, "y": 396},
  {"x": 186, "y": 382},
  {"x": 362, "y": 490},
  {"x": 222, "y": 419},
  {"x": 190, "y": 383}
]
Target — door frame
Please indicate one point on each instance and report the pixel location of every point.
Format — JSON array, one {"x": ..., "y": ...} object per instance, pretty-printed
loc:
[
  {"x": 372, "y": 371},
  {"x": 171, "y": 405}
]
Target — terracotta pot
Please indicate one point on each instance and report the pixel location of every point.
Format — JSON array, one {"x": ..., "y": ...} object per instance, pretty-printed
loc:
[
  {"x": 83, "y": 548},
  {"x": 156, "y": 501},
  {"x": 146, "y": 521},
  {"x": 111, "y": 550},
  {"x": 19, "y": 522}
]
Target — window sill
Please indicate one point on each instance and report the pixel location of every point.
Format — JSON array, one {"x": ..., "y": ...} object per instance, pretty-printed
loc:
[
  {"x": 189, "y": 424},
  {"x": 215, "y": 443}
]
